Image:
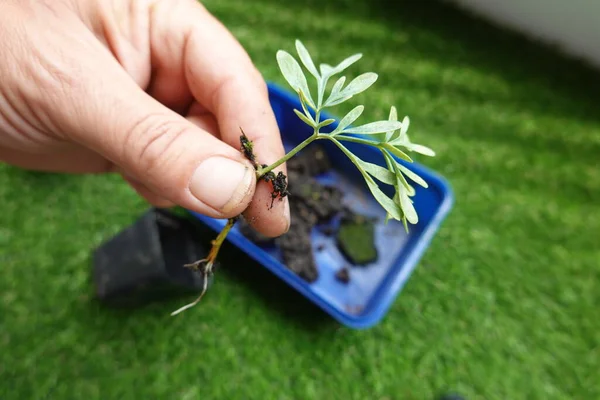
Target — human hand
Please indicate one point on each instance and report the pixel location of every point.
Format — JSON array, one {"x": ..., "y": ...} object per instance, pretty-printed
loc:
[{"x": 155, "y": 90}]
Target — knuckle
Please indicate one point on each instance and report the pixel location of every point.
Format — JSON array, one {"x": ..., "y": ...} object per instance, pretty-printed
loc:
[
  {"x": 35, "y": 60},
  {"x": 57, "y": 78},
  {"x": 151, "y": 142},
  {"x": 53, "y": 75},
  {"x": 237, "y": 83},
  {"x": 226, "y": 83}
]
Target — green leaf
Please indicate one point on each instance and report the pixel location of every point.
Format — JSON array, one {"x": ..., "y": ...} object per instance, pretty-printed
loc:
[
  {"x": 335, "y": 91},
  {"x": 387, "y": 218},
  {"x": 383, "y": 136},
  {"x": 407, "y": 207},
  {"x": 356, "y": 86},
  {"x": 292, "y": 72},
  {"x": 393, "y": 117},
  {"x": 402, "y": 140},
  {"x": 304, "y": 118},
  {"x": 398, "y": 176},
  {"x": 388, "y": 204},
  {"x": 337, "y": 100},
  {"x": 403, "y": 191},
  {"x": 322, "y": 83},
  {"x": 397, "y": 152},
  {"x": 412, "y": 176},
  {"x": 403, "y": 182},
  {"x": 337, "y": 86},
  {"x": 306, "y": 112},
  {"x": 389, "y": 162},
  {"x": 306, "y": 59},
  {"x": 360, "y": 84},
  {"x": 349, "y": 119},
  {"x": 325, "y": 123},
  {"x": 374, "y": 127},
  {"x": 417, "y": 148},
  {"x": 325, "y": 70},
  {"x": 344, "y": 64},
  {"x": 378, "y": 172},
  {"x": 426, "y": 151},
  {"x": 402, "y": 135}
]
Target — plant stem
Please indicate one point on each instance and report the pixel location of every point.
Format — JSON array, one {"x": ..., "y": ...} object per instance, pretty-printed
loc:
[
  {"x": 262, "y": 171},
  {"x": 316, "y": 135},
  {"x": 216, "y": 244},
  {"x": 355, "y": 140},
  {"x": 205, "y": 266}
]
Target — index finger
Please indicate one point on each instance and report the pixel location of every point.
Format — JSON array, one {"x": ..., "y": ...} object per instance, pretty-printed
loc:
[{"x": 223, "y": 79}]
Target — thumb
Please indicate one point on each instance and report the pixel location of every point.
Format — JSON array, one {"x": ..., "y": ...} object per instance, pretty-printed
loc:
[{"x": 106, "y": 111}]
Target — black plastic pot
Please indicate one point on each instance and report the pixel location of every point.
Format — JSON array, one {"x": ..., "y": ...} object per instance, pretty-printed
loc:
[{"x": 145, "y": 261}]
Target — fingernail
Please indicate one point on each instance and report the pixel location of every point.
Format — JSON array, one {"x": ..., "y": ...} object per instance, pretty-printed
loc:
[
  {"x": 286, "y": 214},
  {"x": 221, "y": 183}
]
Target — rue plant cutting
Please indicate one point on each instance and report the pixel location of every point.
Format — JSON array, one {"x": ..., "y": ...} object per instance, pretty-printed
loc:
[{"x": 329, "y": 90}]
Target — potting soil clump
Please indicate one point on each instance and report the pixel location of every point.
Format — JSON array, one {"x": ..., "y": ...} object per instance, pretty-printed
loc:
[{"x": 313, "y": 206}]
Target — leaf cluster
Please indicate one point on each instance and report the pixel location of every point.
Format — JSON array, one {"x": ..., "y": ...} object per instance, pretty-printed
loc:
[{"x": 389, "y": 136}]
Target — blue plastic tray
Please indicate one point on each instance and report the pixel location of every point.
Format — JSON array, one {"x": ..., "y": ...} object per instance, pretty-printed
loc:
[{"x": 364, "y": 301}]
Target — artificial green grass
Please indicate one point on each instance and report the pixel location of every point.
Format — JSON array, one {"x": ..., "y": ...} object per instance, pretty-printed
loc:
[{"x": 502, "y": 306}]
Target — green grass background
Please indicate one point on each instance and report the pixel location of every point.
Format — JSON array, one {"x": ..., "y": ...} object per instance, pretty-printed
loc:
[{"x": 504, "y": 304}]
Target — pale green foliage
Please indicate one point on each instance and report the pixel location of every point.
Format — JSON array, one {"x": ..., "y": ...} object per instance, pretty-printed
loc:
[{"x": 389, "y": 136}]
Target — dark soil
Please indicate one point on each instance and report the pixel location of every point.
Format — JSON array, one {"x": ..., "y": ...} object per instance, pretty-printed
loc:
[
  {"x": 343, "y": 275},
  {"x": 328, "y": 231},
  {"x": 311, "y": 161},
  {"x": 296, "y": 249},
  {"x": 313, "y": 205}
]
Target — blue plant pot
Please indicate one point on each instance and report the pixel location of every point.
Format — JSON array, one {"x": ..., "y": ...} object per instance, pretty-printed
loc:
[{"x": 365, "y": 299}]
